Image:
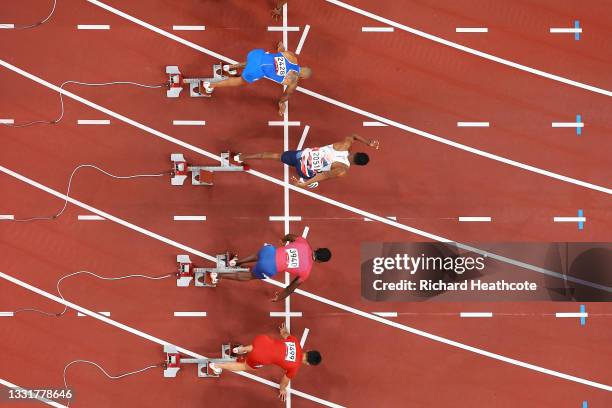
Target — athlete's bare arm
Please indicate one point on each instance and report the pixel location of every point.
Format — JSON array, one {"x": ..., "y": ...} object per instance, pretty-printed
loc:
[
  {"x": 282, "y": 330},
  {"x": 282, "y": 393},
  {"x": 291, "y": 80},
  {"x": 278, "y": 296},
  {"x": 349, "y": 140},
  {"x": 337, "y": 170},
  {"x": 288, "y": 238}
]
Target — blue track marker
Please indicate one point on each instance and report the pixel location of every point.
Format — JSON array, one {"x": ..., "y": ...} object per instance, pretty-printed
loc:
[
  {"x": 585, "y": 404},
  {"x": 576, "y": 25},
  {"x": 580, "y": 223},
  {"x": 578, "y": 129},
  {"x": 582, "y": 319}
]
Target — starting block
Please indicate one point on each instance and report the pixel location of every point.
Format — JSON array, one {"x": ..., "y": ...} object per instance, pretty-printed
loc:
[
  {"x": 208, "y": 277},
  {"x": 174, "y": 361},
  {"x": 201, "y": 175},
  {"x": 177, "y": 81}
]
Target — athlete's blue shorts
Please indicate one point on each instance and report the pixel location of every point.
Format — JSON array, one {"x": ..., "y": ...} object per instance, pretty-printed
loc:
[
  {"x": 266, "y": 262},
  {"x": 292, "y": 158},
  {"x": 252, "y": 72}
]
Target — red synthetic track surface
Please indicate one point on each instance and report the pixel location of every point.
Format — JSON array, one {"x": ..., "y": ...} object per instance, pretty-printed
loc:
[{"x": 425, "y": 184}]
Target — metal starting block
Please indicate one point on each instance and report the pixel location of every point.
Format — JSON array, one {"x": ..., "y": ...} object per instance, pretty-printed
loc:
[
  {"x": 201, "y": 175},
  {"x": 176, "y": 82},
  {"x": 174, "y": 361},
  {"x": 208, "y": 277}
]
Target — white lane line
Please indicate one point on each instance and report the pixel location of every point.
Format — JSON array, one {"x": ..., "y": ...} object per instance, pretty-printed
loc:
[
  {"x": 189, "y": 218},
  {"x": 471, "y": 30},
  {"x": 476, "y": 314},
  {"x": 150, "y": 337},
  {"x": 282, "y": 123},
  {"x": 565, "y": 30},
  {"x": 473, "y": 124},
  {"x": 285, "y": 314},
  {"x": 107, "y": 314},
  {"x": 284, "y": 218},
  {"x": 284, "y": 29},
  {"x": 569, "y": 219},
  {"x": 366, "y": 219},
  {"x": 344, "y": 105},
  {"x": 474, "y": 219},
  {"x": 188, "y": 27},
  {"x": 189, "y": 122},
  {"x": 567, "y": 124},
  {"x": 377, "y": 29},
  {"x": 571, "y": 315},
  {"x": 298, "y": 50},
  {"x": 7, "y": 217},
  {"x": 303, "y": 138},
  {"x": 93, "y": 122},
  {"x": 7, "y": 314},
  {"x": 304, "y": 337},
  {"x": 374, "y": 124},
  {"x": 305, "y": 232},
  {"x": 93, "y": 27},
  {"x": 44, "y": 400},
  {"x": 7, "y": 26},
  {"x": 90, "y": 218},
  {"x": 189, "y": 314},
  {"x": 385, "y": 314},
  {"x": 270, "y": 179},
  {"x": 7, "y": 121}
]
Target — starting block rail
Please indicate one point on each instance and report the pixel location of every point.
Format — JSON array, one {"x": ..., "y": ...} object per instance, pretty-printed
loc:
[
  {"x": 201, "y": 175},
  {"x": 177, "y": 81},
  {"x": 174, "y": 361},
  {"x": 206, "y": 277}
]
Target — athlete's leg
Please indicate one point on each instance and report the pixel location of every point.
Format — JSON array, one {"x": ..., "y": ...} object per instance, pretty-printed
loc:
[
  {"x": 233, "y": 366},
  {"x": 242, "y": 276},
  {"x": 262, "y": 156},
  {"x": 229, "y": 82}
]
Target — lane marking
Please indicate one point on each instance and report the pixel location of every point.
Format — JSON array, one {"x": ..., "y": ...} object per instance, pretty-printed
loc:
[
  {"x": 298, "y": 50},
  {"x": 286, "y": 314},
  {"x": 93, "y": 122},
  {"x": 284, "y": 29},
  {"x": 7, "y": 121},
  {"x": 7, "y": 314},
  {"x": 567, "y": 124},
  {"x": 583, "y": 318},
  {"x": 377, "y": 29},
  {"x": 93, "y": 27},
  {"x": 7, "y": 217},
  {"x": 189, "y": 218},
  {"x": 90, "y": 218},
  {"x": 284, "y": 218},
  {"x": 476, "y": 314},
  {"x": 189, "y": 314},
  {"x": 366, "y": 219},
  {"x": 188, "y": 27},
  {"x": 571, "y": 314},
  {"x": 569, "y": 219},
  {"x": 282, "y": 123},
  {"x": 274, "y": 181},
  {"x": 474, "y": 219},
  {"x": 7, "y": 26},
  {"x": 152, "y": 338},
  {"x": 303, "y": 138},
  {"x": 44, "y": 400},
  {"x": 473, "y": 124},
  {"x": 565, "y": 30},
  {"x": 305, "y": 232},
  {"x": 304, "y": 337},
  {"x": 107, "y": 314},
  {"x": 471, "y": 30},
  {"x": 374, "y": 124},
  {"x": 469, "y": 50},
  {"x": 189, "y": 122},
  {"x": 385, "y": 314},
  {"x": 351, "y": 108}
]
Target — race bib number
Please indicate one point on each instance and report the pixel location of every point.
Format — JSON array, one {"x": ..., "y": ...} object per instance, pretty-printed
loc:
[
  {"x": 290, "y": 352},
  {"x": 281, "y": 66},
  {"x": 293, "y": 258},
  {"x": 316, "y": 160}
]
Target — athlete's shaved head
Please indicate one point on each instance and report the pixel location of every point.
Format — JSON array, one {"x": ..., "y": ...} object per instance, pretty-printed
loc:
[{"x": 305, "y": 72}]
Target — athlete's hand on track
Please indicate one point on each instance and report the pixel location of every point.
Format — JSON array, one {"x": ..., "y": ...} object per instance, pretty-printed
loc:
[
  {"x": 375, "y": 144},
  {"x": 281, "y": 108},
  {"x": 276, "y": 297},
  {"x": 296, "y": 182},
  {"x": 283, "y": 331},
  {"x": 282, "y": 394}
]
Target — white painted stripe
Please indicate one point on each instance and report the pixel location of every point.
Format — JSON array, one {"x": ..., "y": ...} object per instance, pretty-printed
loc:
[
  {"x": 6, "y": 217},
  {"x": 377, "y": 29},
  {"x": 189, "y": 218},
  {"x": 473, "y": 124},
  {"x": 93, "y": 122},
  {"x": 304, "y": 337},
  {"x": 298, "y": 50},
  {"x": 93, "y": 27},
  {"x": 366, "y": 219},
  {"x": 476, "y": 314},
  {"x": 189, "y": 122},
  {"x": 44, "y": 400},
  {"x": 283, "y": 218},
  {"x": 471, "y": 30},
  {"x": 467, "y": 49},
  {"x": 305, "y": 232},
  {"x": 7, "y": 121},
  {"x": 386, "y": 314},
  {"x": 571, "y": 315},
  {"x": 90, "y": 218},
  {"x": 107, "y": 314},
  {"x": 285, "y": 314},
  {"x": 569, "y": 219},
  {"x": 189, "y": 314},
  {"x": 474, "y": 219},
  {"x": 188, "y": 27},
  {"x": 7, "y": 314},
  {"x": 565, "y": 30},
  {"x": 568, "y": 124},
  {"x": 303, "y": 138},
  {"x": 277, "y": 28},
  {"x": 282, "y": 123},
  {"x": 374, "y": 124},
  {"x": 7, "y": 26}
]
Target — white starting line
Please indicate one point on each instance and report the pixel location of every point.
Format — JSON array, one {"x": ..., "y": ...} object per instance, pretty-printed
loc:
[
  {"x": 93, "y": 27},
  {"x": 374, "y": 124},
  {"x": 567, "y": 124},
  {"x": 7, "y": 217},
  {"x": 474, "y": 219},
  {"x": 107, "y": 314},
  {"x": 471, "y": 30},
  {"x": 189, "y": 218},
  {"x": 565, "y": 30},
  {"x": 377, "y": 29},
  {"x": 302, "y": 39},
  {"x": 473, "y": 124},
  {"x": 305, "y": 232},
  {"x": 189, "y": 122},
  {"x": 7, "y": 26},
  {"x": 7, "y": 121},
  {"x": 189, "y": 314},
  {"x": 280, "y": 28},
  {"x": 188, "y": 28},
  {"x": 304, "y": 337},
  {"x": 285, "y": 314},
  {"x": 569, "y": 219},
  {"x": 303, "y": 138},
  {"x": 7, "y": 314},
  {"x": 283, "y": 123},
  {"x": 90, "y": 218},
  {"x": 93, "y": 122},
  {"x": 476, "y": 314},
  {"x": 282, "y": 218},
  {"x": 571, "y": 315}
]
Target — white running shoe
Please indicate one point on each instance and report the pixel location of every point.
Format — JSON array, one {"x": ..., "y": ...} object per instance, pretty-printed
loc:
[
  {"x": 207, "y": 87},
  {"x": 226, "y": 68},
  {"x": 214, "y": 278},
  {"x": 216, "y": 370}
]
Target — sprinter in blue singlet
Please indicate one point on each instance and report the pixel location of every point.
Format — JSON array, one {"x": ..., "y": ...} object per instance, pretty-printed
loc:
[{"x": 281, "y": 67}]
